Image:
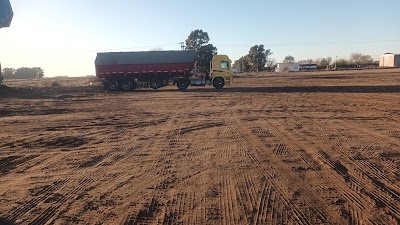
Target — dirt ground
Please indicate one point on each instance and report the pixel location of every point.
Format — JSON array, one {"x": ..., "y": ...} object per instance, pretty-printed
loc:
[{"x": 302, "y": 148}]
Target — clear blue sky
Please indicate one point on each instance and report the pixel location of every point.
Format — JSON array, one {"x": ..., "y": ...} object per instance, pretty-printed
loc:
[{"x": 63, "y": 36}]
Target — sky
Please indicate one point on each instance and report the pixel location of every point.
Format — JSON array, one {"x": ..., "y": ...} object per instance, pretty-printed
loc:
[{"x": 63, "y": 36}]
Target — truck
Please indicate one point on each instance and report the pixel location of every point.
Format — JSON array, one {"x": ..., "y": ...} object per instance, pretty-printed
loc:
[{"x": 125, "y": 71}]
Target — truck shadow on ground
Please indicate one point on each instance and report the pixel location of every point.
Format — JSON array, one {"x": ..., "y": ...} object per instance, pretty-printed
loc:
[
  {"x": 82, "y": 92},
  {"x": 304, "y": 89}
]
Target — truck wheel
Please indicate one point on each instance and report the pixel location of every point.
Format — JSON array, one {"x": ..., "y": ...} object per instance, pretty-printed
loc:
[
  {"x": 112, "y": 85},
  {"x": 218, "y": 83},
  {"x": 155, "y": 83},
  {"x": 182, "y": 84},
  {"x": 127, "y": 85}
]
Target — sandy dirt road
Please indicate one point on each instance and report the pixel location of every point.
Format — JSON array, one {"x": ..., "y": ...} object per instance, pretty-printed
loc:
[{"x": 288, "y": 149}]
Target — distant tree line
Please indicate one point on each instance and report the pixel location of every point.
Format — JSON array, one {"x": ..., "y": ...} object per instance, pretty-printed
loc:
[
  {"x": 23, "y": 73},
  {"x": 356, "y": 60}
]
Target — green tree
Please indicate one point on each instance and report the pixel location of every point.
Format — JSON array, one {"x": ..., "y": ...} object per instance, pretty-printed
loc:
[
  {"x": 257, "y": 57},
  {"x": 198, "y": 41},
  {"x": 8, "y": 73},
  {"x": 28, "y": 73},
  {"x": 242, "y": 63},
  {"x": 289, "y": 59},
  {"x": 38, "y": 71},
  {"x": 341, "y": 62}
]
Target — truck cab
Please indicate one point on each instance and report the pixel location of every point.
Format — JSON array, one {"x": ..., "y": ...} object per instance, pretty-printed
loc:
[{"x": 221, "y": 71}]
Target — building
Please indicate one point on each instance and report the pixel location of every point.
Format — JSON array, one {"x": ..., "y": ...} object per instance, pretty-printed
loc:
[
  {"x": 287, "y": 67},
  {"x": 308, "y": 67},
  {"x": 389, "y": 60}
]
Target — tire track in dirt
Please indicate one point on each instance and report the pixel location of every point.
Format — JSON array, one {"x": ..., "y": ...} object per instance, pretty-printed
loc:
[
  {"x": 342, "y": 170},
  {"x": 15, "y": 162},
  {"x": 384, "y": 195},
  {"x": 299, "y": 210},
  {"x": 168, "y": 140},
  {"x": 69, "y": 196},
  {"x": 40, "y": 196},
  {"x": 334, "y": 165},
  {"x": 336, "y": 192},
  {"x": 228, "y": 203}
]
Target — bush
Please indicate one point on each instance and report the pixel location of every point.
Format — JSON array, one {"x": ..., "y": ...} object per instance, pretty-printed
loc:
[{"x": 55, "y": 84}]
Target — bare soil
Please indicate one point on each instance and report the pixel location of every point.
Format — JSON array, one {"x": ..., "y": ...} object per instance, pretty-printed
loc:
[{"x": 301, "y": 148}]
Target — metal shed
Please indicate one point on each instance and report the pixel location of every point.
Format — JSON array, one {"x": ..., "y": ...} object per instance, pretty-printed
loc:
[
  {"x": 287, "y": 67},
  {"x": 389, "y": 60}
]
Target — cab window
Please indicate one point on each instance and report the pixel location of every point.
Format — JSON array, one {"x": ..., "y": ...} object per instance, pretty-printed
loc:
[{"x": 224, "y": 65}]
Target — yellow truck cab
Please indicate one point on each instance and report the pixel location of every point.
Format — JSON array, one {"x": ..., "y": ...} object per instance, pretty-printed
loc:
[{"x": 221, "y": 71}]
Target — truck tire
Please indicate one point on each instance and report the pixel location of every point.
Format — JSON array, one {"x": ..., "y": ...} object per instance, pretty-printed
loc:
[
  {"x": 182, "y": 84},
  {"x": 113, "y": 85},
  {"x": 127, "y": 85},
  {"x": 155, "y": 83},
  {"x": 218, "y": 83}
]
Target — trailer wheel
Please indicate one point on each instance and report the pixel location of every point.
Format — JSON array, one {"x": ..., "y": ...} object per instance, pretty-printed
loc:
[
  {"x": 155, "y": 83},
  {"x": 218, "y": 83},
  {"x": 127, "y": 85},
  {"x": 112, "y": 85},
  {"x": 182, "y": 84}
]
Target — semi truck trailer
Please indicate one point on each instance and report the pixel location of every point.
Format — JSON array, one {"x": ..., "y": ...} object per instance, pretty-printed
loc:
[
  {"x": 6, "y": 15},
  {"x": 125, "y": 71}
]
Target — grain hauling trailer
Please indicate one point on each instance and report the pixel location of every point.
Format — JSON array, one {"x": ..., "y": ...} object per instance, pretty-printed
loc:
[
  {"x": 6, "y": 15},
  {"x": 129, "y": 70}
]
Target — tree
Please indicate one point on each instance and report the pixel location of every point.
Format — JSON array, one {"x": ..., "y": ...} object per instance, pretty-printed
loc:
[
  {"x": 257, "y": 57},
  {"x": 341, "y": 62},
  {"x": 205, "y": 55},
  {"x": 242, "y": 63},
  {"x": 23, "y": 73},
  {"x": 329, "y": 60},
  {"x": 28, "y": 73},
  {"x": 365, "y": 59},
  {"x": 39, "y": 72},
  {"x": 8, "y": 73},
  {"x": 323, "y": 62},
  {"x": 289, "y": 59},
  {"x": 198, "y": 41},
  {"x": 271, "y": 64},
  {"x": 360, "y": 59}
]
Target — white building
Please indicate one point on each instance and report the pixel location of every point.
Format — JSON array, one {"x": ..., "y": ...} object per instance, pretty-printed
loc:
[
  {"x": 287, "y": 67},
  {"x": 389, "y": 60}
]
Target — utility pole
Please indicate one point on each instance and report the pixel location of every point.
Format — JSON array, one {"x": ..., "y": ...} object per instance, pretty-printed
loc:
[
  {"x": 335, "y": 62},
  {"x": 182, "y": 45}
]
